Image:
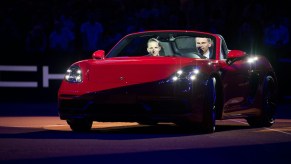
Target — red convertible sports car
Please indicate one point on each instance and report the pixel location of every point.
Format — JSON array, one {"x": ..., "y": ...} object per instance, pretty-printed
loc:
[{"x": 180, "y": 85}]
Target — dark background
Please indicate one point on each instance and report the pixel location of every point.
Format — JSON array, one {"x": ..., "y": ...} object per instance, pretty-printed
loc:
[{"x": 26, "y": 26}]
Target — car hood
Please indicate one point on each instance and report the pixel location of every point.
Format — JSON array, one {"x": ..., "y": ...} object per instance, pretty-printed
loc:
[
  {"x": 135, "y": 70},
  {"x": 111, "y": 73}
]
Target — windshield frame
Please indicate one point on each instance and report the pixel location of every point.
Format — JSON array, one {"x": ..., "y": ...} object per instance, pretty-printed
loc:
[{"x": 165, "y": 38}]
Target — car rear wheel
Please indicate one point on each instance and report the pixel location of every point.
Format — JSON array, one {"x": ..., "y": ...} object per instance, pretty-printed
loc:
[
  {"x": 80, "y": 125},
  {"x": 266, "y": 119},
  {"x": 209, "y": 116}
]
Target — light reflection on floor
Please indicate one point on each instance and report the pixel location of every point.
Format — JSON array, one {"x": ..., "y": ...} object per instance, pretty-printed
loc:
[{"x": 54, "y": 123}]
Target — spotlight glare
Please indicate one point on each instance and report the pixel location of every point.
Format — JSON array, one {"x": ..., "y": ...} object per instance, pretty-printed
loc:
[
  {"x": 193, "y": 77},
  {"x": 179, "y": 72},
  {"x": 175, "y": 78}
]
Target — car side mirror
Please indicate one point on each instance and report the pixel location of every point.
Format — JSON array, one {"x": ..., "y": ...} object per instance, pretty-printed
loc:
[
  {"x": 99, "y": 54},
  {"x": 234, "y": 55}
]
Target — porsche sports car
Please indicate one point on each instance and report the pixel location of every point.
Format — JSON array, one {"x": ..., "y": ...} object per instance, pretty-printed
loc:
[{"x": 180, "y": 86}]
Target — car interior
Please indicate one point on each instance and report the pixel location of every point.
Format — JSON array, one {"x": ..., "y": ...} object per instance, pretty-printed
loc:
[{"x": 179, "y": 45}]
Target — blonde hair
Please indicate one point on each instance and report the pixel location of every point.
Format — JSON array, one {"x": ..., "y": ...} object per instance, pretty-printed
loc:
[{"x": 154, "y": 40}]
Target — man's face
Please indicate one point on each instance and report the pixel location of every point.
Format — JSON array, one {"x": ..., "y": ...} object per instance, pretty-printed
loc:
[
  {"x": 203, "y": 44},
  {"x": 153, "y": 48}
]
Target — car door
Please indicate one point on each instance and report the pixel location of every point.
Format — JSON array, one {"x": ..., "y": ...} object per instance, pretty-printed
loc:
[
  {"x": 238, "y": 85},
  {"x": 239, "y": 78}
]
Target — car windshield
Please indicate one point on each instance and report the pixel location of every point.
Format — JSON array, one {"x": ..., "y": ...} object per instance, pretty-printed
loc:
[{"x": 173, "y": 44}]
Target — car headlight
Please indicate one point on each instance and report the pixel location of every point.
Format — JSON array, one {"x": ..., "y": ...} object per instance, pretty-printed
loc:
[
  {"x": 188, "y": 74},
  {"x": 252, "y": 59},
  {"x": 74, "y": 74}
]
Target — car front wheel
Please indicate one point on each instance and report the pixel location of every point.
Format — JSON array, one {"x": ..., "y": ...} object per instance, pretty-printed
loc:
[
  {"x": 80, "y": 125},
  {"x": 208, "y": 123}
]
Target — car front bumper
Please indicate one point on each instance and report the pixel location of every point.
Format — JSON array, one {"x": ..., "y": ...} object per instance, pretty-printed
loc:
[{"x": 152, "y": 101}]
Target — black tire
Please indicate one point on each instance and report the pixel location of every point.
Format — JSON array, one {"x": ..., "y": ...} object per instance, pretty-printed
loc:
[
  {"x": 80, "y": 125},
  {"x": 209, "y": 114},
  {"x": 266, "y": 119}
]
